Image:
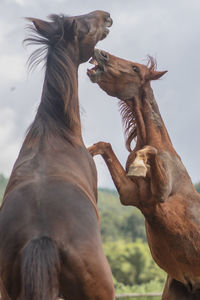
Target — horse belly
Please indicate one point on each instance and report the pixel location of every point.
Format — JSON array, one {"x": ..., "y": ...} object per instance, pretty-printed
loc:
[{"x": 178, "y": 255}]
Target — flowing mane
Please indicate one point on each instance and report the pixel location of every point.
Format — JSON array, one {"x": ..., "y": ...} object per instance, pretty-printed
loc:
[
  {"x": 128, "y": 114},
  {"x": 59, "y": 103},
  {"x": 129, "y": 123}
]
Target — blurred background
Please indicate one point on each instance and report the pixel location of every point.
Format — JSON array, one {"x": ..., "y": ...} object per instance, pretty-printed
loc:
[{"x": 169, "y": 31}]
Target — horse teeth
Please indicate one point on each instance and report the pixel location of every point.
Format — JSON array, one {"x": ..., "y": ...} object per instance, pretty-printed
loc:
[
  {"x": 93, "y": 62},
  {"x": 91, "y": 71}
]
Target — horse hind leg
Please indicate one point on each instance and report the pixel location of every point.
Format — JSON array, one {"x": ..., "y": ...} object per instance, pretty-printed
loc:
[
  {"x": 86, "y": 277},
  {"x": 10, "y": 284},
  {"x": 79, "y": 290}
]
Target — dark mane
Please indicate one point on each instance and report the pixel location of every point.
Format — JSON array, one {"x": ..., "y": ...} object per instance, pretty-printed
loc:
[
  {"x": 59, "y": 107},
  {"x": 128, "y": 120},
  {"x": 46, "y": 39}
]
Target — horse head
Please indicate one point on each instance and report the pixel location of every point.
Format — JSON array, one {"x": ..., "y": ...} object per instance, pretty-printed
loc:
[
  {"x": 79, "y": 34},
  {"x": 119, "y": 77}
]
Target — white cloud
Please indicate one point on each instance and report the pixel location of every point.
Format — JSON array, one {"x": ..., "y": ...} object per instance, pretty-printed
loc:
[
  {"x": 12, "y": 2},
  {"x": 20, "y": 2},
  {"x": 5, "y": 28},
  {"x": 11, "y": 68},
  {"x": 9, "y": 143}
]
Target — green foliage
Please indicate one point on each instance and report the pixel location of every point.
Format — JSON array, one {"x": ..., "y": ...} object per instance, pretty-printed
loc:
[
  {"x": 117, "y": 221},
  {"x": 150, "y": 287},
  {"x": 197, "y": 187},
  {"x": 132, "y": 264},
  {"x": 124, "y": 240},
  {"x": 123, "y": 234}
]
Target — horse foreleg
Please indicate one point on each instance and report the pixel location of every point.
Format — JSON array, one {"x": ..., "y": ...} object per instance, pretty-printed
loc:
[
  {"x": 148, "y": 163},
  {"x": 126, "y": 188}
]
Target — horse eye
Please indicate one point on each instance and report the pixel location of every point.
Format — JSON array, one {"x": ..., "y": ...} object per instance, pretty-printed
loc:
[{"x": 135, "y": 69}]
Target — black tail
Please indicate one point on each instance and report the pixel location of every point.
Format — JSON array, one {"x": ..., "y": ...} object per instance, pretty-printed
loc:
[{"x": 40, "y": 270}]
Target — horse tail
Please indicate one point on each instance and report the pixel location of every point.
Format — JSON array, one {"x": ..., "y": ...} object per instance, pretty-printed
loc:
[{"x": 40, "y": 270}]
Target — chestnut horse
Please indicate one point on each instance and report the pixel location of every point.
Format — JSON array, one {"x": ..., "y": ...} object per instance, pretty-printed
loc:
[
  {"x": 49, "y": 229},
  {"x": 155, "y": 179}
]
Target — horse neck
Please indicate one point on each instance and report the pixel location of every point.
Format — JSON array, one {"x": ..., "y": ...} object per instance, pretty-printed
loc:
[
  {"x": 151, "y": 129},
  {"x": 58, "y": 113}
]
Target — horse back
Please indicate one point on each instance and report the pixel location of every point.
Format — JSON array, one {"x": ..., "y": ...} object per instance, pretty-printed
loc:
[{"x": 51, "y": 190}]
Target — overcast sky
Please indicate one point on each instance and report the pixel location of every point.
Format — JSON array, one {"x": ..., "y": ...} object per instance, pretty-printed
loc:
[{"x": 168, "y": 30}]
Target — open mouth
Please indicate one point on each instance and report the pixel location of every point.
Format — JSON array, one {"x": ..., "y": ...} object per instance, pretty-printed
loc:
[
  {"x": 99, "y": 60},
  {"x": 106, "y": 31},
  {"x": 95, "y": 71}
]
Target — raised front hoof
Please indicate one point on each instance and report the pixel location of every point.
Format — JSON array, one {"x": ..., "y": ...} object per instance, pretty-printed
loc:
[
  {"x": 99, "y": 148},
  {"x": 137, "y": 171}
]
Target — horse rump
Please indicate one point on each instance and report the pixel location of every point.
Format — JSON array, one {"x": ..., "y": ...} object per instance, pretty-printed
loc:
[{"x": 40, "y": 270}]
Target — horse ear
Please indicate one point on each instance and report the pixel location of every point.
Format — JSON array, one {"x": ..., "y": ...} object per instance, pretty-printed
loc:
[
  {"x": 43, "y": 27},
  {"x": 156, "y": 74}
]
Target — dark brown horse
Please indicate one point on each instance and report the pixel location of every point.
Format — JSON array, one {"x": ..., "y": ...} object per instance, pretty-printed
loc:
[
  {"x": 49, "y": 229},
  {"x": 155, "y": 179}
]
